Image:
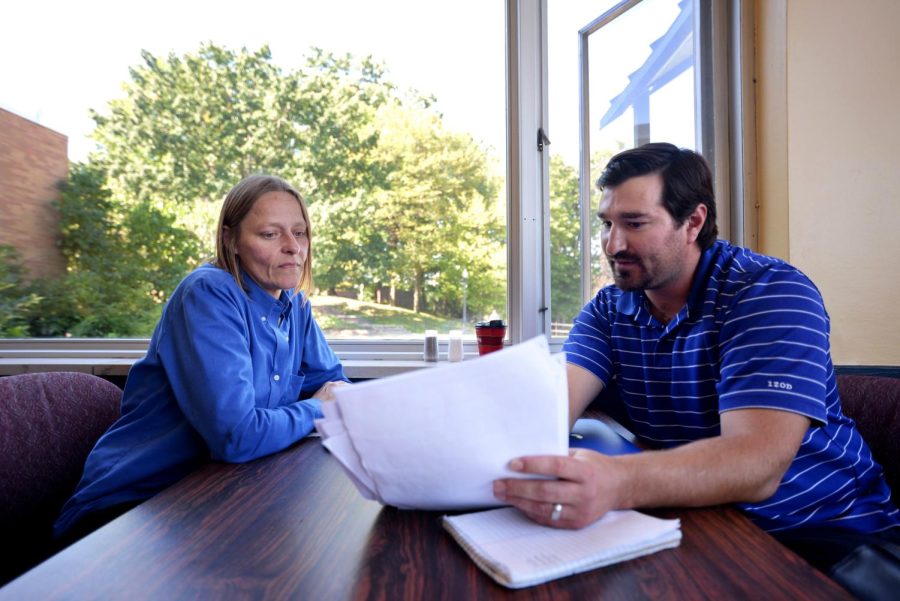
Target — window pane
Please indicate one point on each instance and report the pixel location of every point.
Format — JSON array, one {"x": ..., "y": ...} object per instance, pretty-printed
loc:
[
  {"x": 401, "y": 156},
  {"x": 640, "y": 89},
  {"x": 645, "y": 95},
  {"x": 564, "y": 21}
]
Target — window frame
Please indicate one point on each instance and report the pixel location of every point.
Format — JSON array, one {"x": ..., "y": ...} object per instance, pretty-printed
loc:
[{"x": 724, "y": 114}]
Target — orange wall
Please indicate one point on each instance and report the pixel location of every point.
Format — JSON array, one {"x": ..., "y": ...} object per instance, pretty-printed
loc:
[{"x": 829, "y": 183}]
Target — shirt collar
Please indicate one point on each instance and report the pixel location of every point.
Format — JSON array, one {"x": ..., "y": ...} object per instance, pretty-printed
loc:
[
  {"x": 702, "y": 275},
  {"x": 635, "y": 303},
  {"x": 270, "y": 307},
  {"x": 628, "y": 303}
]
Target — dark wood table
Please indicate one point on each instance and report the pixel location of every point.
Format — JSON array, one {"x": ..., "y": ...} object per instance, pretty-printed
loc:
[{"x": 293, "y": 526}]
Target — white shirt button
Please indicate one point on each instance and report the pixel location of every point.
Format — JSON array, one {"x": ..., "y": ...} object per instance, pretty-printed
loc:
[
  {"x": 264, "y": 318},
  {"x": 277, "y": 377}
]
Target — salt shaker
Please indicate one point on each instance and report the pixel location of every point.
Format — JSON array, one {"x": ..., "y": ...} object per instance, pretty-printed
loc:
[
  {"x": 455, "y": 349},
  {"x": 430, "y": 352}
]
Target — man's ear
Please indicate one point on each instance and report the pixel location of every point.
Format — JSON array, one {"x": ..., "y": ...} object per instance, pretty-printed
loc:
[{"x": 695, "y": 222}]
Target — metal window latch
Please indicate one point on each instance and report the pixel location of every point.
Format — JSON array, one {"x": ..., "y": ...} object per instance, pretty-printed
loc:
[{"x": 542, "y": 139}]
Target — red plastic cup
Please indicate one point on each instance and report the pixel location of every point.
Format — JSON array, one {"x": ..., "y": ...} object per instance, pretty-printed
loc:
[{"x": 490, "y": 335}]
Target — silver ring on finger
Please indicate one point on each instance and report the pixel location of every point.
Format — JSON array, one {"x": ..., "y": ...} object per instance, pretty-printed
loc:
[{"x": 556, "y": 513}]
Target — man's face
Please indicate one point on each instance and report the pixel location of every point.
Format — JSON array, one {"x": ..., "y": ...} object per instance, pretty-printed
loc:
[{"x": 645, "y": 248}]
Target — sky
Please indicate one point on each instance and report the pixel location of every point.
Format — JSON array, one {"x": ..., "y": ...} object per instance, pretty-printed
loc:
[
  {"x": 616, "y": 51},
  {"x": 59, "y": 59}
]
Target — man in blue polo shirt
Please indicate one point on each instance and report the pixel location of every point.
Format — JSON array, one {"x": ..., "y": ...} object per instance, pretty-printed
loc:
[{"x": 722, "y": 362}]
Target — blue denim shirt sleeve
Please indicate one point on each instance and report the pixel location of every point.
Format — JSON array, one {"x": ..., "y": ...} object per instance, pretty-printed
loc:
[
  {"x": 223, "y": 378},
  {"x": 319, "y": 364},
  {"x": 237, "y": 363}
]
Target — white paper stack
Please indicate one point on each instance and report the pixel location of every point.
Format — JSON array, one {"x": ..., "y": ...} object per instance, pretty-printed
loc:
[
  {"x": 517, "y": 552},
  {"x": 437, "y": 438}
]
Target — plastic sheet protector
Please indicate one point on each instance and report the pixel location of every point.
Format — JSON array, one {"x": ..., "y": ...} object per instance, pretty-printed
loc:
[{"x": 437, "y": 438}]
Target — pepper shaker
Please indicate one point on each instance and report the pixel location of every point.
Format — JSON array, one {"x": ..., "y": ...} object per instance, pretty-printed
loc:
[{"x": 430, "y": 352}]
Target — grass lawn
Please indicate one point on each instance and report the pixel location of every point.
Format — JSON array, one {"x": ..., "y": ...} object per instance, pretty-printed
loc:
[{"x": 341, "y": 317}]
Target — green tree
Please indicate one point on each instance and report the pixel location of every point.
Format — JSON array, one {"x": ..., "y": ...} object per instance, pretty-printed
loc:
[
  {"x": 565, "y": 236},
  {"x": 349, "y": 246},
  {"x": 121, "y": 262},
  {"x": 16, "y": 297},
  {"x": 600, "y": 271},
  {"x": 565, "y": 242},
  {"x": 396, "y": 200},
  {"x": 190, "y": 127},
  {"x": 435, "y": 217}
]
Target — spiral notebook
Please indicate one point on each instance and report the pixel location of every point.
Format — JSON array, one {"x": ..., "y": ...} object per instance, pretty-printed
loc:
[{"x": 517, "y": 552}]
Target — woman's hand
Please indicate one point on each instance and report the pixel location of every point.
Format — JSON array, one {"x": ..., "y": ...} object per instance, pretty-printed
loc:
[
  {"x": 325, "y": 392},
  {"x": 586, "y": 485}
]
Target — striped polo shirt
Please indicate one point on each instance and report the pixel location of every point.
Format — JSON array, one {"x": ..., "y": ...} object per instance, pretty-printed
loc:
[{"x": 753, "y": 334}]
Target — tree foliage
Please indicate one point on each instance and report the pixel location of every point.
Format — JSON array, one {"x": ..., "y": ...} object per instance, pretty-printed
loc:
[
  {"x": 189, "y": 127},
  {"x": 16, "y": 296},
  {"x": 434, "y": 218},
  {"x": 566, "y": 236},
  {"x": 565, "y": 242},
  {"x": 399, "y": 202},
  {"x": 122, "y": 261}
]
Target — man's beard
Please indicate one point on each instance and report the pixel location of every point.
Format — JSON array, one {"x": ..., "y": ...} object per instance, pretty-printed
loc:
[{"x": 629, "y": 279}]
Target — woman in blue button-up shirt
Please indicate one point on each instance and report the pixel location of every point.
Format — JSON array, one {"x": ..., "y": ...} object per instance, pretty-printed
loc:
[{"x": 235, "y": 351}]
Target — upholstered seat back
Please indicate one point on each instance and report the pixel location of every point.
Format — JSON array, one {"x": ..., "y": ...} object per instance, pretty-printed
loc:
[
  {"x": 49, "y": 422},
  {"x": 874, "y": 404}
]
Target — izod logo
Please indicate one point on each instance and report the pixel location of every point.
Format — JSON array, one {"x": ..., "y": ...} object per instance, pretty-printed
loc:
[{"x": 781, "y": 385}]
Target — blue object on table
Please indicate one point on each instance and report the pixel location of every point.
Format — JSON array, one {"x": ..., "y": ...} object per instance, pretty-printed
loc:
[{"x": 593, "y": 434}]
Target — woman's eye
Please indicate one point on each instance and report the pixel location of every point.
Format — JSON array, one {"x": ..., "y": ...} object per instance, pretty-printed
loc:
[
  {"x": 634, "y": 224},
  {"x": 268, "y": 235},
  {"x": 300, "y": 234}
]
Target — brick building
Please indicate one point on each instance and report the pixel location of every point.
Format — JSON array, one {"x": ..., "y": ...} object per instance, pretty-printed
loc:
[{"x": 33, "y": 160}]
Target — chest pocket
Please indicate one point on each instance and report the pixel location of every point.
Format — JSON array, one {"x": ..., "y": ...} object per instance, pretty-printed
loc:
[{"x": 292, "y": 392}]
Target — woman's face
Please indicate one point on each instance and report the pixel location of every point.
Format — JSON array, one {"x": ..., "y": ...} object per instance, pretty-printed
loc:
[{"x": 273, "y": 243}]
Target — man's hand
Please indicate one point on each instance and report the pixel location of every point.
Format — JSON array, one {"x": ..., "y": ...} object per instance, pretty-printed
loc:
[
  {"x": 585, "y": 483},
  {"x": 743, "y": 464}
]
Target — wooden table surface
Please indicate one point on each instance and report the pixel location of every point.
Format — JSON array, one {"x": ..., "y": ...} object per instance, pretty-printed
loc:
[{"x": 293, "y": 526}]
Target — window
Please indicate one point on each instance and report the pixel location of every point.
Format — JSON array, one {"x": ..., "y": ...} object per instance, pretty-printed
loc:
[
  {"x": 401, "y": 157},
  {"x": 642, "y": 72},
  {"x": 457, "y": 193}
]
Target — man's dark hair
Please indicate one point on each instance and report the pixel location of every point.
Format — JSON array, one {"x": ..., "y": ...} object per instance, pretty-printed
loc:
[{"x": 687, "y": 181}]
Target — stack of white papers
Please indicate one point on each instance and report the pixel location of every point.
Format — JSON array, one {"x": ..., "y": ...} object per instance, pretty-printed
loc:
[
  {"x": 437, "y": 438},
  {"x": 517, "y": 552}
]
